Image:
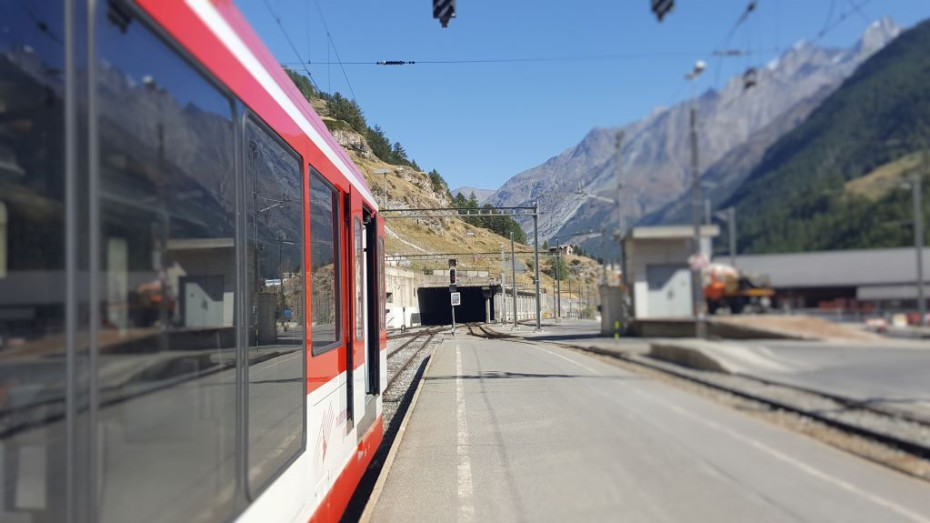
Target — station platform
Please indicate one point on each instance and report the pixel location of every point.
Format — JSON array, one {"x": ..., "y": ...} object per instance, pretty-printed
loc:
[{"x": 523, "y": 430}]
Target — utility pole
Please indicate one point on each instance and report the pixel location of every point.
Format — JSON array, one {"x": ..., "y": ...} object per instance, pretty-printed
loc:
[
  {"x": 513, "y": 272},
  {"x": 604, "y": 260},
  {"x": 917, "y": 188},
  {"x": 536, "y": 262},
  {"x": 621, "y": 210},
  {"x": 569, "y": 298},
  {"x": 731, "y": 227},
  {"x": 558, "y": 280},
  {"x": 503, "y": 287},
  {"x": 700, "y": 328}
]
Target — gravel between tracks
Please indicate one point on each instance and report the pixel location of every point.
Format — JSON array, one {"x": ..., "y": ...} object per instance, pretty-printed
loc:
[{"x": 403, "y": 367}]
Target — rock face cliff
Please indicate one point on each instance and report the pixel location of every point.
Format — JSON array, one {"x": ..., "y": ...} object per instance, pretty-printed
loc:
[{"x": 735, "y": 127}]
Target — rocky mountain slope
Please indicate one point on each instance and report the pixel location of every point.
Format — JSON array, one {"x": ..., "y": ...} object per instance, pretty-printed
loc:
[
  {"x": 835, "y": 181},
  {"x": 404, "y": 186},
  {"x": 656, "y": 150}
]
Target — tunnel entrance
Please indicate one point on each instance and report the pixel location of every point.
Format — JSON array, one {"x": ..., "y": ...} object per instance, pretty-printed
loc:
[{"x": 435, "y": 308}]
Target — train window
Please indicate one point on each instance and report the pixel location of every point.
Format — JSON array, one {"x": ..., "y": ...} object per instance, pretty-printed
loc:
[
  {"x": 166, "y": 371},
  {"x": 359, "y": 293},
  {"x": 276, "y": 355},
  {"x": 382, "y": 291},
  {"x": 324, "y": 265},
  {"x": 32, "y": 254},
  {"x": 3, "y": 234}
]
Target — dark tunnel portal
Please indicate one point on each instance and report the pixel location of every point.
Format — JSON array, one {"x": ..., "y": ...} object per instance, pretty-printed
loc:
[{"x": 435, "y": 307}]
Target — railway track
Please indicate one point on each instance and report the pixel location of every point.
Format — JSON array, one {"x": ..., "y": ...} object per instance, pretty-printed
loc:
[{"x": 400, "y": 361}]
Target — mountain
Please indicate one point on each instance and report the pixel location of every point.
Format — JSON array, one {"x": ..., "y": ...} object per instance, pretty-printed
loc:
[
  {"x": 656, "y": 149},
  {"x": 481, "y": 194},
  {"x": 722, "y": 178},
  {"x": 832, "y": 183}
]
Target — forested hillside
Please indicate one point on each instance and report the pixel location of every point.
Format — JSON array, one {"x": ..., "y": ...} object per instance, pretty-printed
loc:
[{"x": 799, "y": 196}]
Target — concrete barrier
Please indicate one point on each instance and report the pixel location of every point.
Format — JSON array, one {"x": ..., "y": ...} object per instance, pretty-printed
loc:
[
  {"x": 684, "y": 328},
  {"x": 691, "y": 353}
]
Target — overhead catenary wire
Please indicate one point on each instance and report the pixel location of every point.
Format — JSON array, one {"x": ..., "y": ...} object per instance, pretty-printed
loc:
[
  {"x": 290, "y": 42},
  {"x": 329, "y": 37},
  {"x": 525, "y": 59},
  {"x": 858, "y": 9},
  {"x": 826, "y": 23},
  {"x": 722, "y": 49},
  {"x": 840, "y": 19}
]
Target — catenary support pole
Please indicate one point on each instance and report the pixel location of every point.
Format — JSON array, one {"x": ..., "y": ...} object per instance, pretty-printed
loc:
[
  {"x": 558, "y": 281},
  {"x": 536, "y": 262},
  {"x": 700, "y": 329},
  {"x": 731, "y": 222},
  {"x": 503, "y": 286},
  {"x": 917, "y": 188},
  {"x": 513, "y": 278}
]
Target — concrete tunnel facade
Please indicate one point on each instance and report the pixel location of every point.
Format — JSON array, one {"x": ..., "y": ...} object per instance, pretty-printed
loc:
[{"x": 436, "y": 309}]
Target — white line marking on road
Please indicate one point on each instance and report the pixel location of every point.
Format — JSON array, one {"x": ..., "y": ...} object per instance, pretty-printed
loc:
[
  {"x": 465, "y": 491},
  {"x": 823, "y": 476},
  {"x": 573, "y": 362}
]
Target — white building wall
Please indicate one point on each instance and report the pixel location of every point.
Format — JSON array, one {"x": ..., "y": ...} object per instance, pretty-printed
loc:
[
  {"x": 402, "y": 289},
  {"x": 643, "y": 253}
]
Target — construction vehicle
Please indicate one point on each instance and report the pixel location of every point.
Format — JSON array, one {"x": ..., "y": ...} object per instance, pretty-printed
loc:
[{"x": 726, "y": 287}]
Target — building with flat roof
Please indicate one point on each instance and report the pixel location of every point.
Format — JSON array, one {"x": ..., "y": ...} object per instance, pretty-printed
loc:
[
  {"x": 883, "y": 278},
  {"x": 656, "y": 266}
]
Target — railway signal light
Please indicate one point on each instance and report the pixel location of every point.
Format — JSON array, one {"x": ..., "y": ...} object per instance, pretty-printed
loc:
[
  {"x": 444, "y": 10},
  {"x": 452, "y": 276},
  {"x": 662, "y": 8}
]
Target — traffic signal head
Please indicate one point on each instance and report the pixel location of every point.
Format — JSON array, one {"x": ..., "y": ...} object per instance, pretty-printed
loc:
[
  {"x": 662, "y": 8},
  {"x": 444, "y": 10},
  {"x": 452, "y": 276}
]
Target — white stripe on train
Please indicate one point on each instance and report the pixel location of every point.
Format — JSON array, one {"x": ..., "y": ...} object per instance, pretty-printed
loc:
[{"x": 217, "y": 24}]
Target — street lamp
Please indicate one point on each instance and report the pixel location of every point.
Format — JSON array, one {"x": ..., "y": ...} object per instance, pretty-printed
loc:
[{"x": 698, "y": 301}]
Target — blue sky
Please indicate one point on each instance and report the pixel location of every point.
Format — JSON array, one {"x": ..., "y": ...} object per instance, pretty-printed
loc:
[{"x": 481, "y": 123}]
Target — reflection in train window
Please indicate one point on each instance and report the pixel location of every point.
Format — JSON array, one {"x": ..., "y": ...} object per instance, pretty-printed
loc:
[
  {"x": 276, "y": 386},
  {"x": 32, "y": 257},
  {"x": 167, "y": 347},
  {"x": 324, "y": 265}
]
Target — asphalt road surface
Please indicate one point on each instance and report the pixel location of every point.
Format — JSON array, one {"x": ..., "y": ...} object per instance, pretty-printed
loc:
[{"x": 507, "y": 431}]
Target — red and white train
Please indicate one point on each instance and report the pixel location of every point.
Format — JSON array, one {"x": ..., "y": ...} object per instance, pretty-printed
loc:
[{"x": 191, "y": 274}]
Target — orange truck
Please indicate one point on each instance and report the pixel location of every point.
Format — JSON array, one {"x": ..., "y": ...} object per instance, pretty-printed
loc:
[{"x": 726, "y": 287}]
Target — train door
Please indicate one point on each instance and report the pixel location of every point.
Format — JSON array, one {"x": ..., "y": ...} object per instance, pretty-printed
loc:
[
  {"x": 352, "y": 279},
  {"x": 373, "y": 305}
]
